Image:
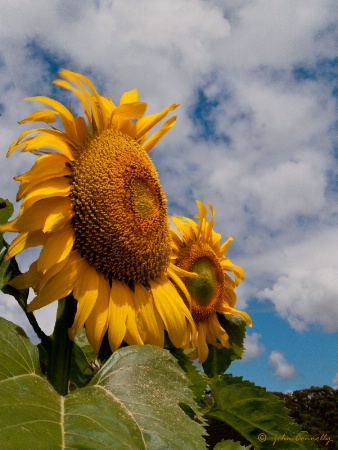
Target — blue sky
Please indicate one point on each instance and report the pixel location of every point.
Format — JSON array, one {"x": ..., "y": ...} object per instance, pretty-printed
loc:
[{"x": 256, "y": 136}]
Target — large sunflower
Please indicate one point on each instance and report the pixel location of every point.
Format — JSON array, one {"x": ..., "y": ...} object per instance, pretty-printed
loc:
[
  {"x": 196, "y": 248},
  {"x": 94, "y": 202}
]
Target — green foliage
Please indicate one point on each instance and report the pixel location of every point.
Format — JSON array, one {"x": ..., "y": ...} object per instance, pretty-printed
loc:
[
  {"x": 198, "y": 380},
  {"x": 6, "y": 211},
  {"x": 219, "y": 359},
  {"x": 316, "y": 410},
  {"x": 231, "y": 445},
  {"x": 258, "y": 415},
  {"x": 132, "y": 402}
]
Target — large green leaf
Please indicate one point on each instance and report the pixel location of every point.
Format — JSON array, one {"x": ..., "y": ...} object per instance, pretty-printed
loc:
[
  {"x": 258, "y": 415},
  {"x": 219, "y": 359},
  {"x": 132, "y": 403},
  {"x": 151, "y": 385}
]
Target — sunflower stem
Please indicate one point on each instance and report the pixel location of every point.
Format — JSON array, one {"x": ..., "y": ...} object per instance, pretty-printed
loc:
[{"x": 60, "y": 351}]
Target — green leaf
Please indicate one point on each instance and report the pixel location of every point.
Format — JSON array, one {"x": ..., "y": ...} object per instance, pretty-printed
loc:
[
  {"x": 258, "y": 415},
  {"x": 219, "y": 359},
  {"x": 132, "y": 403},
  {"x": 231, "y": 445},
  {"x": 198, "y": 380},
  {"x": 81, "y": 371},
  {"x": 151, "y": 385},
  {"x": 6, "y": 210}
]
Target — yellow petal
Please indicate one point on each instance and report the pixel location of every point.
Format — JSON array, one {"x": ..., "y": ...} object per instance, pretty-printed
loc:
[
  {"x": 132, "y": 335},
  {"x": 26, "y": 280},
  {"x": 97, "y": 322},
  {"x": 61, "y": 284},
  {"x": 144, "y": 124},
  {"x": 10, "y": 226},
  {"x": 42, "y": 115},
  {"x": 179, "y": 283},
  {"x": 129, "y": 97},
  {"x": 120, "y": 299},
  {"x": 130, "y": 110},
  {"x": 66, "y": 116},
  {"x": 55, "y": 187},
  {"x": 86, "y": 291},
  {"x": 45, "y": 167},
  {"x": 35, "y": 217},
  {"x": 225, "y": 245},
  {"x": 150, "y": 323},
  {"x": 60, "y": 216},
  {"x": 236, "y": 312},
  {"x": 172, "y": 310},
  {"x": 216, "y": 332},
  {"x": 49, "y": 274},
  {"x": 152, "y": 141},
  {"x": 92, "y": 96},
  {"x": 56, "y": 249},
  {"x": 202, "y": 347},
  {"x": 46, "y": 140},
  {"x": 25, "y": 240}
]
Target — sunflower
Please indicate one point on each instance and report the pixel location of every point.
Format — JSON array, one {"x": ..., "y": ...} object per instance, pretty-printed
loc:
[
  {"x": 196, "y": 248},
  {"x": 94, "y": 202}
]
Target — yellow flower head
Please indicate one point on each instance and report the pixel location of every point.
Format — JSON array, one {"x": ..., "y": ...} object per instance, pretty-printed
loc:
[
  {"x": 94, "y": 202},
  {"x": 196, "y": 248}
]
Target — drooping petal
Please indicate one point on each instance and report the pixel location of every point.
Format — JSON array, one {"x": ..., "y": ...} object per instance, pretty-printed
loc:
[
  {"x": 55, "y": 187},
  {"x": 56, "y": 249},
  {"x": 42, "y": 115},
  {"x": 149, "y": 320},
  {"x": 45, "y": 167},
  {"x": 35, "y": 217},
  {"x": 173, "y": 311},
  {"x": 86, "y": 292},
  {"x": 120, "y": 302},
  {"x": 59, "y": 216},
  {"x": 97, "y": 322},
  {"x": 202, "y": 342},
  {"x": 46, "y": 140},
  {"x": 24, "y": 241},
  {"x": 61, "y": 284},
  {"x": 66, "y": 116},
  {"x": 26, "y": 280}
]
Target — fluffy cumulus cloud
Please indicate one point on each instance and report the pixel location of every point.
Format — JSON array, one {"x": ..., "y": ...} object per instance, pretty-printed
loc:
[
  {"x": 335, "y": 382},
  {"x": 253, "y": 346},
  {"x": 256, "y": 133},
  {"x": 281, "y": 368}
]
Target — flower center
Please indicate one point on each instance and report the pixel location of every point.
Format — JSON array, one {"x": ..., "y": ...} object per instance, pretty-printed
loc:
[
  {"x": 120, "y": 213},
  {"x": 144, "y": 202},
  {"x": 207, "y": 289}
]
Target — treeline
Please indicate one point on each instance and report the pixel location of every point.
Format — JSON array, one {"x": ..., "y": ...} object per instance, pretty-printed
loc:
[{"x": 314, "y": 409}]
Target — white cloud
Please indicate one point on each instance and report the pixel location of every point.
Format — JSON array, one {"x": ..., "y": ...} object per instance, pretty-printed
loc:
[
  {"x": 270, "y": 180},
  {"x": 306, "y": 290},
  {"x": 253, "y": 346},
  {"x": 335, "y": 381},
  {"x": 282, "y": 369}
]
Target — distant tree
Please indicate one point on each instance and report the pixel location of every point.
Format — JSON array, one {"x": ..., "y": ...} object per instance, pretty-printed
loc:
[{"x": 316, "y": 410}]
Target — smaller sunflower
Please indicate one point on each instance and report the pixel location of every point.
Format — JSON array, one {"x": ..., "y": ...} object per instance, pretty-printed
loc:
[{"x": 196, "y": 248}]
